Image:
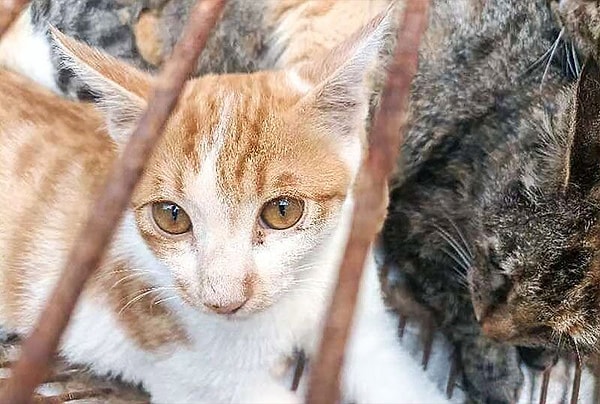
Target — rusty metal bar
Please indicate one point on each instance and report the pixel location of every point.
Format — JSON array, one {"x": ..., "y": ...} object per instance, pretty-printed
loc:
[
  {"x": 71, "y": 396},
  {"x": 453, "y": 374},
  {"x": 95, "y": 236},
  {"x": 9, "y": 11},
  {"x": 576, "y": 381},
  {"x": 428, "y": 330},
  {"x": 545, "y": 384},
  {"x": 385, "y": 142},
  {"x": 401, "y": 326},
  {"x": 299, "y": 370}
]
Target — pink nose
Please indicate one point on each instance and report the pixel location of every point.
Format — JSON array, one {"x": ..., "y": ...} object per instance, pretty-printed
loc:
[{"x": 229, "y": 308}]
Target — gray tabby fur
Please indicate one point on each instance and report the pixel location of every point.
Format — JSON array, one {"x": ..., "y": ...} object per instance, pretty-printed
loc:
[{"x": 477, "y": 115}]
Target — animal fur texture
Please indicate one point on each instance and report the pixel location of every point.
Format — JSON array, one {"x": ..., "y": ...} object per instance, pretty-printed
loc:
[
  {"x": 484, "y": 109},
  {"x": 486, "y": 100},
  {"x": 251, "y": 36},
  {"x": 207, "y": 288},
  {"x": 536, "y": 257}
]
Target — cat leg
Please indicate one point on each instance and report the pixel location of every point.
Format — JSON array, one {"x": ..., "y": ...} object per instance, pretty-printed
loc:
[{"x": 377, "y": 369}]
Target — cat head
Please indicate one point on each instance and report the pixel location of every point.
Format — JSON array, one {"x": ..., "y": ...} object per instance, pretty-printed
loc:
[
  {"x": 536, "y": 273},
  {"x": 246, "y": 198}
]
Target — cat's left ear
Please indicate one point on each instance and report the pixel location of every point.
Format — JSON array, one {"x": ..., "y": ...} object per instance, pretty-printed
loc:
[
  {"x": 583, "y": 167},
  {"x": 344, "y": 82},
  {"x": 120, "y": 90}
]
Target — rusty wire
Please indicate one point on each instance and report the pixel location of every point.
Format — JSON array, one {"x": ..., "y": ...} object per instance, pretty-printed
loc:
[
  {"x": 9, "y": 10},
  {"x": 370, "y": 202},
  {"x": 38, "y": 351},
  {"x": 107, "y": 210}
]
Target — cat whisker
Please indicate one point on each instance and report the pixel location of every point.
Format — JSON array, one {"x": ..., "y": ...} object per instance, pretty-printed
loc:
[
  {"x": 125, "y": 278},
  {"x": 570, "y": 64},
  {"x": 552, "y": 54},
  {"x": 460, "y": 235},
  {"x": 454, "y": 258},
  {"x": 539, "y": 61},
  {"x": 462, "y": 254},
  {"x": 159, "y": 301},
  {"x": 575, "y": 60},
  {"x": 462, "y": 278},
  {"x": 145, "y": 292}
]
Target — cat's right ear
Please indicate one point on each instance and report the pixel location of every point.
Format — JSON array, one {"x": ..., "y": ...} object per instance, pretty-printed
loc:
[
  {"x": 583, "y": 166},
  {"x": 120, "y": 90},
  {"x": 342, "y": 84}
]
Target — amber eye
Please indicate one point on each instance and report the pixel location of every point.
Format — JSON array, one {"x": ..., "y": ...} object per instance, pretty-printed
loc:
[
  {"x": 171, "y": 218},
  {"x": 282, "y": 213}
]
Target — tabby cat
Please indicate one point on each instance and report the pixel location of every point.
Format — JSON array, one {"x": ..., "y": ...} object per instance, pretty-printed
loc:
[
  {"x": 476, "y": 216},
  {"x": 225, "y": 260},
  {"x": 487, "y": 69}
]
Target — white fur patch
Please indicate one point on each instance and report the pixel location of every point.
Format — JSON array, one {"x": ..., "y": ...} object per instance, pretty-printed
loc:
[
  {"x": 298, "y": 82},
  {"x": 27, "y": 52}
]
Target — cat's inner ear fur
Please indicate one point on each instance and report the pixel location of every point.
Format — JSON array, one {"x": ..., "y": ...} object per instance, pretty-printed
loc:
[
  {"x": 120, "y": 90},
  {"x": 346, "y": 79},
  {"x": 583, "y": 168}
]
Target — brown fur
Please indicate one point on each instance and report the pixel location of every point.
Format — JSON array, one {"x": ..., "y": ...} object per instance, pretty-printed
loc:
[
  {"x": 269, "y": 134},
  {"x": 54, "y": 143}
]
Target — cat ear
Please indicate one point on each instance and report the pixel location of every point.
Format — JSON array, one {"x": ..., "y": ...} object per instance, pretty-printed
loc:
[
  {"x": 120, "y": 90},
  {"x": 341, "y": 86},
  {"x": 583, "y": 168}
]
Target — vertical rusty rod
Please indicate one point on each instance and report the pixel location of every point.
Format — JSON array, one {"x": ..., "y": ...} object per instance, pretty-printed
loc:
[
  {"x": 401, "y": 326},
  {"x": 453, "y": 375},
  {"x": 428, "y": 334},
  {"x": 299, "y": 370},
  {"x": 380, "y": 162},
  {"x": 545, "y": 384},
  {"x": 107, "y": 210},
  {"x": 576, "y": 382}
]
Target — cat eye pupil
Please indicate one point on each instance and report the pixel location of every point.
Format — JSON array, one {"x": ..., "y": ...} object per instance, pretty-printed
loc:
[
  {"x": 171, "y": 218},
  {"x": 283, "y": 206},
  {"x": 282, "y": 213}
]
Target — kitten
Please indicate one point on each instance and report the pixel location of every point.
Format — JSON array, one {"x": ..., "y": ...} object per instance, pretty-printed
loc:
[
  {"x": 252, "y": 35},
  {"x": 472, "y": 100},
  {"x": 225, "y": 261}
]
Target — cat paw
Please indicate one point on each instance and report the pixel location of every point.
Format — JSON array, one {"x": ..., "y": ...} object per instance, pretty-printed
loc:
[{"x": 491, "y": 372}]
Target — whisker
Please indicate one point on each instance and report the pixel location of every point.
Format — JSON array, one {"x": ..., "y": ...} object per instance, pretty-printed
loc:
[
  {"x": 554, "y": 48},
  {"x": 124, "y": 278},
  {"x": 460, "y": 235},
  {"x": 575, "y": 60},
  {"x": 455, "y": 246},
  {"x": 570, "y": 63},
  {"x": 159, "y": 301},
  {"x": 145, "y": 292},
  {"x": 455, "y": 259},
  {"x": 539, "y": 61}
]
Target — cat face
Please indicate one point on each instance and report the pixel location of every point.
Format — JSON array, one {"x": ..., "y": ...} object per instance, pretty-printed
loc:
[
  {"x": 536, "y": 273},
  {"x": 245, "y": 197},
  {"x": 257, "y": 190}
]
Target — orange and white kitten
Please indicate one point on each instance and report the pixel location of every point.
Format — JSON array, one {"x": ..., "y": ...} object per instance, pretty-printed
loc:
[{"x": 225, "y": 261}]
